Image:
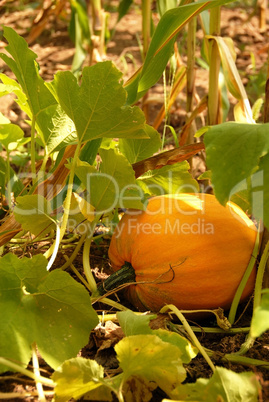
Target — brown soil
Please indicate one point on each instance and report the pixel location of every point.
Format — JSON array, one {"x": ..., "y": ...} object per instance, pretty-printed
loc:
[{"x": 55, "y": 52}]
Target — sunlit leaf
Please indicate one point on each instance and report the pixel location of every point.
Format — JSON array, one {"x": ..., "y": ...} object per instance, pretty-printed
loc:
[
  {"x": 63, "y": 132},
  {"x": 133, "y": 324},
  {"x": 224, "y": 385},
  {"x": 51, "y": 309},
  {"x": 168, "y": 180},
  {"x": 260, "y": 319},
  {"x": 161, "y": 46},
  {"x": 10, "y": 134},
  {"x": 235, "y": 154},
  {"x": 137, "y": 149},
  {"x": 41, "y": 103},
  {"x": 97, "y": 105}
]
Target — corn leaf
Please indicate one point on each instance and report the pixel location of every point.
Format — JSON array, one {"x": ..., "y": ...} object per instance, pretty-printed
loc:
[{"x": 161, "y": 46}]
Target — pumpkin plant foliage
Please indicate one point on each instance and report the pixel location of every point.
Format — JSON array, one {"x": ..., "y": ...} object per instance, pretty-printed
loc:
[
  {"x": 51, "y": 309},
  {"x": 88, "y": 115}
]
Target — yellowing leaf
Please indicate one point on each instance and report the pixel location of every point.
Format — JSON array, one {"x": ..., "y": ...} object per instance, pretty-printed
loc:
[
  {"x": 87, "y": 210},
  {"x": 233, "y": 79},
  {"x": 149, "y": 357}
]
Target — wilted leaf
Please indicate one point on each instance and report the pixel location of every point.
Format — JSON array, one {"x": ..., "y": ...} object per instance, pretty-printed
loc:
[
  {"x": 79, "y": 376},
  {"x": 51, "y": 309},
  {"x": 166, "y": 158},
  {"x": 147, "y": 356}
]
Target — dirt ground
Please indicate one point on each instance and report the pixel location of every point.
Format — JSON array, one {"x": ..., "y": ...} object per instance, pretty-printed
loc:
[{"x": 55, "y": 52}]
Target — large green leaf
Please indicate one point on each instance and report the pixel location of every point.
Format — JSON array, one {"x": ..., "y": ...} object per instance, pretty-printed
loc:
[
  {"x": 171, "y": 179},
  {"x": 113, "y": 185},
  {"x": 161, "y": 46},
  {"x": 63, "y": 132},
  {"x": 224, "y": 385},
  {"x": 136, "y": 150},
  {"x": 237, "y": 155},
  {"x": 51, "y": 309},
  {"x": 260, "y": 319},
  {"x": 23, "y": 63},
  {"x": 97, "y": 105}
]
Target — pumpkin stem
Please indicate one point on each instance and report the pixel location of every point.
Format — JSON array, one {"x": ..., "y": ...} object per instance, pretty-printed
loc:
[{"x": 124, "y": 275}]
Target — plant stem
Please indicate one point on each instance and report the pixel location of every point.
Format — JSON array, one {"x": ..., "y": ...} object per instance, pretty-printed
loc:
[
  {"x": 33, "y": 167},
  {"x": 16, "y": 367},
  {"x": 146, "y": 24},
  {"x": 75, "y": 252},
  {"x": 238, "y": 294},
  {"x": 55, "y": 249},
  {"x": 259, "y": 278},
  {"x": 9, "y": 189},
  {"x": 39, "y": 386},
  {"x": 214, "y": 67},
  {"x": 87, "y": 265},
  {"x": 67, "y": 201},
  {"x": 257, "y": 298},
  {"x": 190, "y": 333}
]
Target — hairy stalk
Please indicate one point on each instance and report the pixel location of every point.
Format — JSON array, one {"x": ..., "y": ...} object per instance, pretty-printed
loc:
[
  {"x": 190, "y": 332},
  {"x": 39, "y": 386},
  {"x": 37, "y": 378},
  {"x": 240, "y": 289}
]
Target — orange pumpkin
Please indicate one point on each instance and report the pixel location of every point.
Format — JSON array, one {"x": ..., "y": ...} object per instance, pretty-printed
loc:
[{"x": 186, "y": 250}]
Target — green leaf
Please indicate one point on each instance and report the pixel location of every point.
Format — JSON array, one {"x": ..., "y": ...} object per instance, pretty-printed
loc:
[
  {"x": 260, "y": 319},
  {"x": 10, "y": 134},
  {"x": 97, "y": 106},
  {"x": 33, "y": 213},
  {"x": 237, "y": 155},
  {"x": 224, "y": 385},
  {"x": 51, "y": 309},
  {"x": 133, "y": 324},
  {"x": 113, "y": 185},
  {"x": 136, "y": 150},
  {"x": 147, "y": 356},
  {"x": 41, "y": 102},
  {"x": 63, "y": 132},
  {"x": 170, "y": 179},
  {"x": 161, "y": 46}
]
